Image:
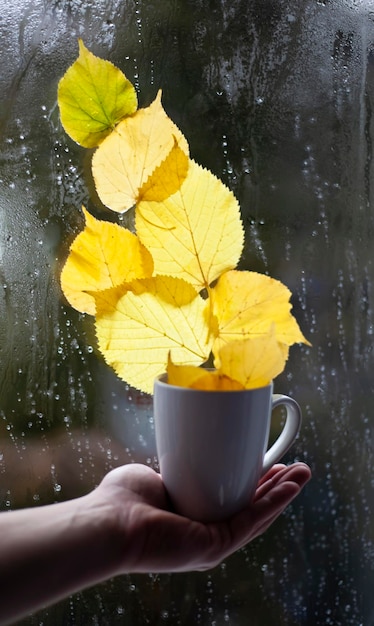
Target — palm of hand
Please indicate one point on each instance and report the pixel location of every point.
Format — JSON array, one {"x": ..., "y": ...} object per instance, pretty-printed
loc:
[{"x": 152, "y": 538}]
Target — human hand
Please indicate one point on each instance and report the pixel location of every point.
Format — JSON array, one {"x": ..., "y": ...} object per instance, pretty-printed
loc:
[
  {"x": 153, "y": 538},
  {"x": 125, "y": 525}
]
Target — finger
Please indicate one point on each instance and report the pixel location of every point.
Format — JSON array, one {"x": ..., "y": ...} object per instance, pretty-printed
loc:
[
  {"x": 257, "y": 517},
  {"x": 288, "y": 492},
  {"x": 255, "y": 520},
  {"x": 272, "y": 503},
  {"x": 275, "y": 497},
  {"x": 271, "y": 472},
  {"x": 271, "y": 480},
  {"x": 298, "y": 473}
]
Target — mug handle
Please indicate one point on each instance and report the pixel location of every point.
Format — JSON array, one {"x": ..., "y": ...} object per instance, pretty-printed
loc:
[{"x": 289, "y": 433}]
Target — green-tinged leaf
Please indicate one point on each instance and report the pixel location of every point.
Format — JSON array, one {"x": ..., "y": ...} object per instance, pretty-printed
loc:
[{"x": 93, "y": 97}]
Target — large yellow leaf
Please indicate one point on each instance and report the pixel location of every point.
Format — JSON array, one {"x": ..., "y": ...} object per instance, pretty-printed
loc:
[
  {"x": 253, "y": 362},
  {"x": 138, "y": 327},
  {"x": 247, "y": 304},
  {"x": 103, "y": 255},
  {"x": 138, "y": 145},
  {"x": 93, "y": 97},
  {"x": 195, "y": 234}
]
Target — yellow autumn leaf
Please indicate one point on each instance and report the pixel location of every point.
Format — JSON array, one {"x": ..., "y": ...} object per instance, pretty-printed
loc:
[
  {"x": 246, "y": 304},
  {"x": 103, "y": 255},
  {"x": 183, "y": 375},
  {"x": 247, "y": 364},
  {"x": 93, "y": 96},
  {"x": 127, "y": 157},
  {"x": 194, "y": 377},
  {"x": 215, "y": 381},
  {"x": 253, "y": 362},
  {"x": 196, "y": 233},
  {"x": 139, "y": 324}
]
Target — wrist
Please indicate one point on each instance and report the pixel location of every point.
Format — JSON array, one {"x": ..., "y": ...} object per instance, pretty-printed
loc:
[{"x": 99, "y": 538}]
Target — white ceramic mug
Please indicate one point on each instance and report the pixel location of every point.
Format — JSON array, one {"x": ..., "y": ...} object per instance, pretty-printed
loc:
[{"x": 211, "y": 445}]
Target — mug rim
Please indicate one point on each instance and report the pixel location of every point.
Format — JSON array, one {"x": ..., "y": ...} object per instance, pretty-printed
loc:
[{"x": 160, "y": 380}]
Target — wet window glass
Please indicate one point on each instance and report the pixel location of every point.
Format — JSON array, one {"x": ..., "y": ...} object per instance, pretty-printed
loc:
[{"x": 277, "y": 99}]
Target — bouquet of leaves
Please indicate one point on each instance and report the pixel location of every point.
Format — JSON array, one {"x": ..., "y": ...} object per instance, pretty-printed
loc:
[{"x": 165, "y": 295}]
